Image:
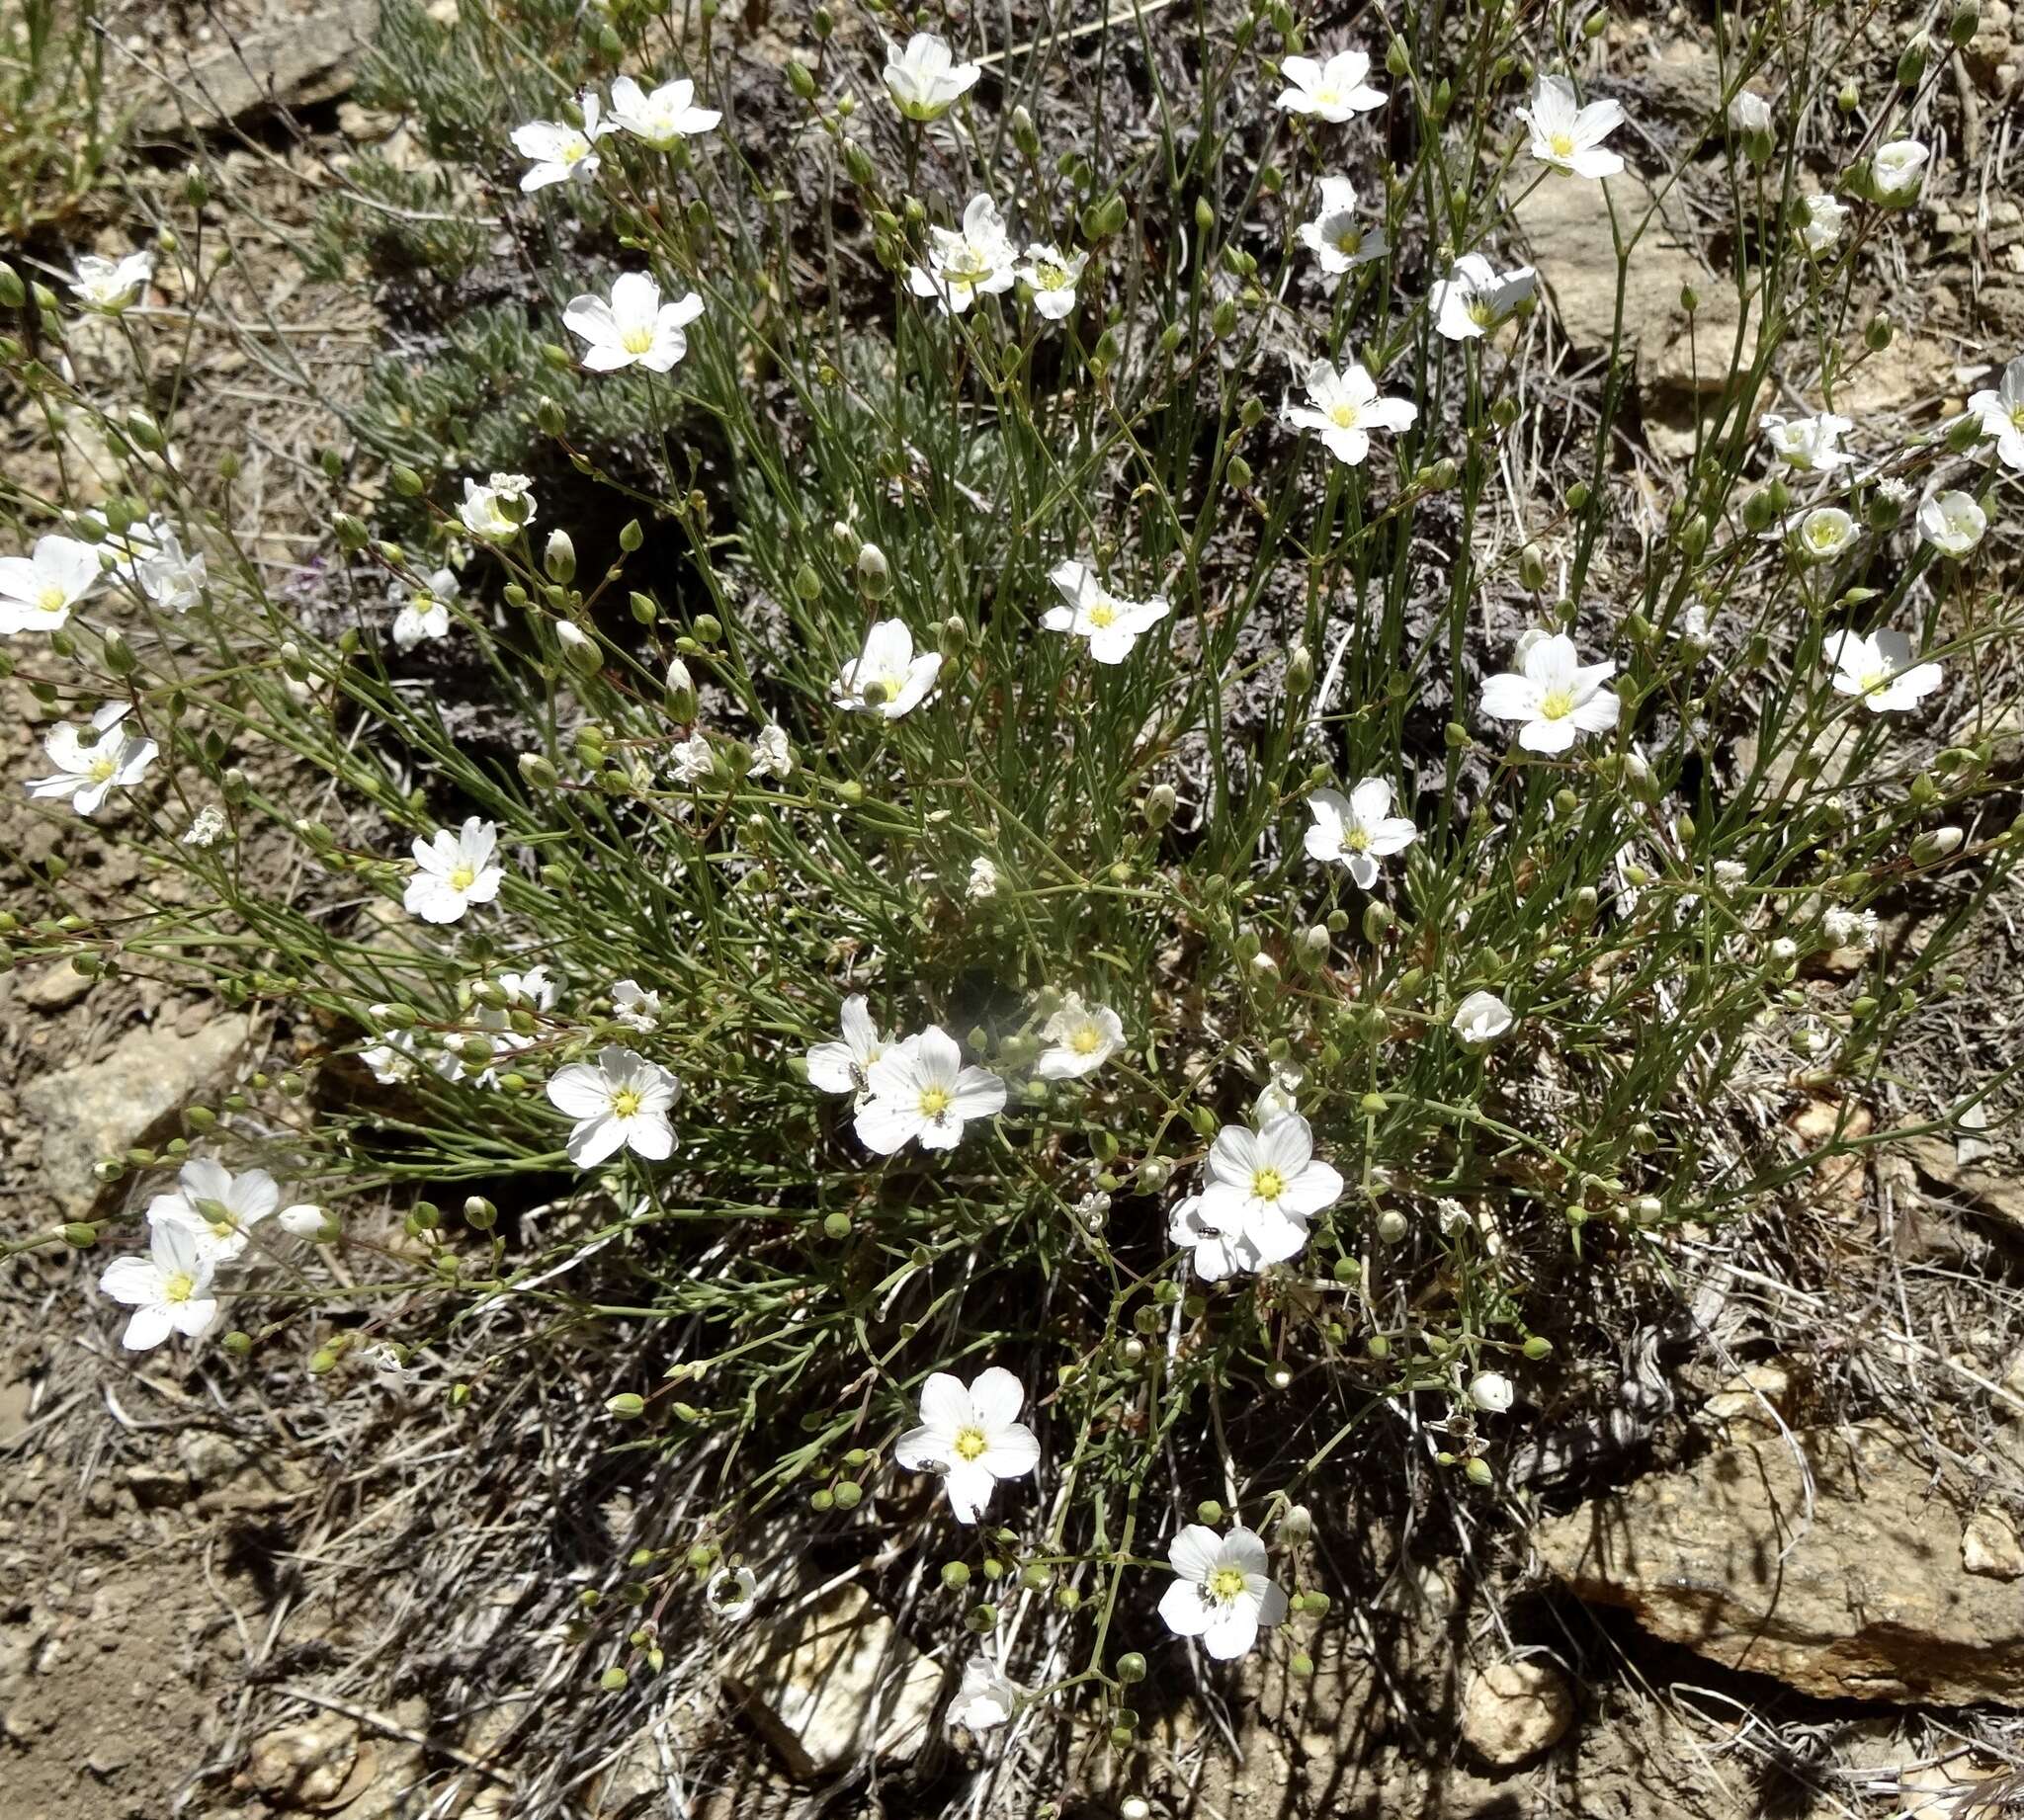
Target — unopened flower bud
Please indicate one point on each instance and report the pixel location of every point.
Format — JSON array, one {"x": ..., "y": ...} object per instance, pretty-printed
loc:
[
  {"x": 1161, "y": 803},
  {"x": 560, "y": 558},
  {"x": 579, "y": 649},
  {"x": 1963, "y": 23},
  {"x": 1299, "y": 670},
  {"x": 875, "y": 576},
  {"x": 626, "y": 1406},
  {"x": 1532, "y": 567},
  {"x": 1935, "y": 844}
]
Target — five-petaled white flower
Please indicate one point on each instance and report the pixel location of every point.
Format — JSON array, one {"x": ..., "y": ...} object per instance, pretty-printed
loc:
[
  {"x": 1882, "y": 668},
  {"x": 662, "y": 116},
  {"x": 220, "y": 1209},
  {"x": 38, "y": 590},
  {"x": 620, "y": 1102},
  {"x": 989, "y": 1696},
  {"x": 93, "y": 762},
  {"x": 1823, "y": 534},
  {"x": 1820, "y": 223},
  {"x": 1811, "y": 444},
  {"x": 1335, "y": 236},
  {"x": 560, "y": 152},
  {"x": 2000, "y": 410},
  {"x": 920, "y": 1088},
  {"x": 169, "y": 1289},
  {"x": 1345, "y": 408},
  {"x": 425, "y": 614},
  {"x": 1217, "y": 1254},
  {"x": 1358, "y": 830},
  {"x": 1554, "y": 695},
  {"x": 1569, "y": 137},
  {"x": 1898, "y": 172},
  {"x": 975, "y": 260},
  {"x": 1334, "y": 91},
  {"x": 1110, "y": 624},
  {"x": 1225, "y": 1591},
  {"x": 498, "y": 510},
  {"x": 973, "y": 1436},
  {"x": 452, "y": 871},
  {"x": 1264, "y": 1186},
  {"x": 1051, "y": 275},
  {"x": 1474, "y": 299},
  {"x": 110, "y": 284},
  {"x": 1952, "y": 523},
  {"x": 885, "y": 678},
  {"x": 925, "y": 80},
  {"x": 636, "y": 328},
  {"x": 1481, "y": 1016},
  {"x": 1083, "y": 1038},
  {"x": 846, "y": 1066}
]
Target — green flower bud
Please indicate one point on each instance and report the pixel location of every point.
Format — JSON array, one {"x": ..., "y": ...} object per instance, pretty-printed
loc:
[
  {"x": 627, "y": 1406},
  {"x": 1532, "y": 567},
  {"x": 13, "y": 293},
  {"x": 1131, "y": 1665},
  {"x": 1963, "y": 23},
  {"x": 559, "y": 559}
]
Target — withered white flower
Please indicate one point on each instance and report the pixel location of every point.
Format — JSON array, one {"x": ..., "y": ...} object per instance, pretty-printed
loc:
[
  {"x": 499, "y": 510},
  {"x": 109, "y": 286}
]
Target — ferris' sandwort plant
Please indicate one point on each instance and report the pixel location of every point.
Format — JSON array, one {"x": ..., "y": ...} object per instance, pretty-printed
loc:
[{"x": 942, "y": 810}]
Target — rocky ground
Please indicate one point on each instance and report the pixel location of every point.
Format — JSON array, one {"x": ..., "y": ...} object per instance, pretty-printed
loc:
[{"x": 223, "y": 1601}]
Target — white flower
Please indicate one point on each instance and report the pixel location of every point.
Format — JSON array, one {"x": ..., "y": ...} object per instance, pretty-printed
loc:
[
  {"x": 772, "y": 755},
  {"x": 1857, "y": 928},
  {"x": 1731, "y": 875},
  {"x": 453, "y": 871},
  {"x": 1823, "y": 534},
  {"x": 1881, "y": 669},
  {"x": 1474, "y": 299},
  {"x": 1481, "y": 1016},
  {"x": 732, "y": 1590},
  {"x": 663, "y": 116},
  {"x": 971, "y": 1435},
  {"x": 1492, "y": 1392},
  {"x": 216, "y": 1208},
  {"x": 109, "y": 284},
  {"x": 1280, "y": 1095},
  {"x": 1822, "y": 226},
  {"x": 562, "y": 153},
  {"x": 692, "y": 759},
  {"x": 1085, "y": 1038},
  {"x": 887, "y": 668},
  {"x": 964, "y": 263},
  {"x": 846, "y": 1066},
  {"x": 1335, "y": 235},
  {"x": 1749, "y": 115},
  {"x": 169, "y": 1289},
  {"x": 1217, "y": 1254},
  {"x": 1898, "y": 172},
  {"x": 1952, "y": 523},
  {"x": 1345, "y": 408},
  {"x": 1569, "y": 137},
  {"x": 425, "y": 614},
  {"x": 2002, "y": 412},
  {"x": 172, "y": 580},
  {"x": 1265, "y": 1185},
  {"x": 987, "y": 1697},
  {"x": 1334, "y": 91},
  {"x": 1812, "y": 445},
  {"x": 983, "y": 880},
  {"x": 1554, "y": 695},
  {"x": 1357, "y": 830},
  {"x": 636, "y": 328},
  {"x": 634, "y": 1007},
  {"x": 920, "y": 1088},
  {"x": 38, "y": 590},
  {"x": 924, "y": 80},
  {"x": 1225, "y": 1591},
  {"x": 497, "y": 511},
  {"x": 1110, "y": 624},
  {"x": 91, "y": 763},
  {"x": 1051, "y": 275},
  {"x": 206, "y": 827},
  {"x": 622, "y": 1102}
]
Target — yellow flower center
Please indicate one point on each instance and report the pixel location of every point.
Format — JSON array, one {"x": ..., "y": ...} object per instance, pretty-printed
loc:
[
  {"x": 934, "y": 1102},
  {"x": 970, "y": 1443},
  {"x": 1356, "y": 837},
  {"x": 1562, "y": 144},
  {"x": 1822, "y": 536},
  {"x": 2017, "y": 417},
  {"x": 178, "y": 1287},
  {"x": 463, "y": 877},
  {"x": 626, "y": 1103},
  {"x": 1087, "y": 1040},
  {"x": 1874, "y": 679},
  {"x": 1328, "y": 97},
  {"x": 1052, "y": 278},
  {"x": 1226, "y": 1585},
  {"x": 101, "y": 768},
  {"x": 1343, "y": 416},
  {"x": 52, "y": 599},
  {"x": 1102, "y": 614},
  {"x": 1348, "y": 238},
  {"x": 575, "y": 150},
  {"x": 637, "y": 340},
  {"x": 1268, "y": 1185},
  {"x": 1556, "y": 704},
  {"x": 1480, "y": 311}
]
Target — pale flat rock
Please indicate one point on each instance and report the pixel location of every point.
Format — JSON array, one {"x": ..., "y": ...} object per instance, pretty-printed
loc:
[
  {"x": 836, "y": 1683},
  {"x": 1989, "y": 1547},
  {"x": 1514, "y": 1710},
  {"x": 110, "y": 1105},
  {"x": 56, "y": 987},
  {"x": 1869, "y": 1600},
  {"x": 1566, "y": 222},
  {"x": 293, "y": 61}
]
